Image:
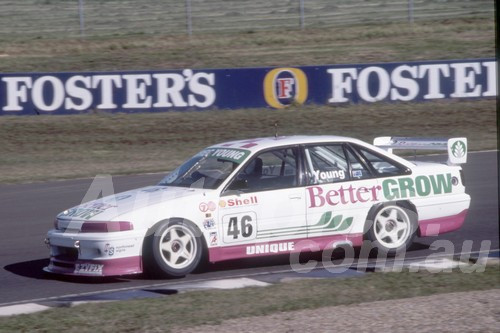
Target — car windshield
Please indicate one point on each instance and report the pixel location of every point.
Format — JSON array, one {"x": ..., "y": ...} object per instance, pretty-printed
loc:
[{"x": 207, "y": 169}]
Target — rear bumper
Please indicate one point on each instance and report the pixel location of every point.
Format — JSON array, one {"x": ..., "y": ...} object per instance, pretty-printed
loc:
[
  {"x": 440, "y": 225},
  {"x": 441, "y": 214}
]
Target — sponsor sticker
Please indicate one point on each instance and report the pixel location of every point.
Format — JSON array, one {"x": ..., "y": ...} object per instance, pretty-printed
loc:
[
  {"x": 357, "y": 173},
  {"x": 207, "y": 206},
  {"x": 87, "y": 211},
  {"x": 109, "y": 250},
  {"x": 209, "y": 224},
  {"x": 270, "y": 248},
  {"x": 328, "y": 175},
  {"x": 239, "y": 201},
  {"x": 459, "y": 149},
  {"x": 203, "y": 207},
  {"x": 117, "y": 249},
  {"x": 390, "y": 189},
  {"x": 214, "y": 240},
  {"x": 124, "y": 248},
  {"x": 229, "y": 154}
]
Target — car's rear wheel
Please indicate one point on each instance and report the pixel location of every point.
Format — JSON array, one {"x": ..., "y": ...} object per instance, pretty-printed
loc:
[
  {"x": 177, "y": 249},
  {"x": 393, "y": 228}
]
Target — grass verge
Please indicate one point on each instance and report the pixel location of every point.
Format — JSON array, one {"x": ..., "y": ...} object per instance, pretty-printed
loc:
[
  {"x": 57, "y": 147},
  {"x": 456, "y": 38},
  {"x": 47, "y": 147},
  {"x": 214, "y": 306}
]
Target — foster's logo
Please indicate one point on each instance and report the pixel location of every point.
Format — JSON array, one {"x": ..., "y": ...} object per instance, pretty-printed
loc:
[{"x": 284, "y": 86}]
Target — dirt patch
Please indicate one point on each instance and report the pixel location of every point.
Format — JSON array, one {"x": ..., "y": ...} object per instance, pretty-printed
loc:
[{"x": 475, "y": 311}]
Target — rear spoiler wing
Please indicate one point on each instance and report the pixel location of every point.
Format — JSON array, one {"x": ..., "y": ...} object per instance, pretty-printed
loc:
[{"x": 456, "y": 147}]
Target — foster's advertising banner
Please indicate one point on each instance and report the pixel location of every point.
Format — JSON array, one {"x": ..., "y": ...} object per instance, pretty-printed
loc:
[{"x": 205, "y": 89}]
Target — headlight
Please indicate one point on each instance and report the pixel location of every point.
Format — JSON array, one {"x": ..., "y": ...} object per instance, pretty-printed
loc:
[{"x": 111, "y": 226}]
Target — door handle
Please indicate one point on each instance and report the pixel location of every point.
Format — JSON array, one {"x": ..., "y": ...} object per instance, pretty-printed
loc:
[{"x": 295, "y": 196}]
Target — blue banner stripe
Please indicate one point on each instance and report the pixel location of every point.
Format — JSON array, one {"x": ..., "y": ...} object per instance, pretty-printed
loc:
[{"x": 205, "y": 89}]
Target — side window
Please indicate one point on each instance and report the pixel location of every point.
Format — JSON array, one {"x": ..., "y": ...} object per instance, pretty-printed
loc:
[
  {"x": 383, "y": 166},
  {"x": 358, "y": 169},
  {"x": 271, "y": 170},
  {"x": 326, "y": 164}
]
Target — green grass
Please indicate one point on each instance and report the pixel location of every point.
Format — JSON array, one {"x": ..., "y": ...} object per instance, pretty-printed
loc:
[
  {"x": 56, "y": 147},
  {"x": 458, "y": 38},
  {"x": 175, "y": 312},
  {"x": 42, "y": 18}
]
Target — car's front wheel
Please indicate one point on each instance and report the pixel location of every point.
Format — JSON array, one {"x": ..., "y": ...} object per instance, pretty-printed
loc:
[
  {"x": 393, "y": 228},
  {"x": 177, "y": 249}
]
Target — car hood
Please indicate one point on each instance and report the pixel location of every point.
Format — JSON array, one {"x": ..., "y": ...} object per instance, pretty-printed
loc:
[{"x": 111, "y": 207}]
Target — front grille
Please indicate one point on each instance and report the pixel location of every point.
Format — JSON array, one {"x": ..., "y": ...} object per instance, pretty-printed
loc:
[{"x": 66, "y": 253}]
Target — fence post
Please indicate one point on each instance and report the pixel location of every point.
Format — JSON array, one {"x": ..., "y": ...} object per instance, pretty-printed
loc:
[
  {"x": 302, "y": 16},
  {"x": 189, "y": 22},
  {"x": 410, "y": 11},
  {"x": 82, "y": 18}
]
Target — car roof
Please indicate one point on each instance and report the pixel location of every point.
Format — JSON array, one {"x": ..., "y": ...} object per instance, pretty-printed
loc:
[{"x": 257, "y": 144}]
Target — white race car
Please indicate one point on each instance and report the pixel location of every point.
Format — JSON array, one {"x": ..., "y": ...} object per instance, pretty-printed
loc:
[{"x": 262, "y": 197}]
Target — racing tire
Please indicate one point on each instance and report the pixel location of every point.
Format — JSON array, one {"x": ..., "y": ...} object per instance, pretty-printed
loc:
[
  {"x": 393, "y": 227},
  {"x": 174, "y": 250}
]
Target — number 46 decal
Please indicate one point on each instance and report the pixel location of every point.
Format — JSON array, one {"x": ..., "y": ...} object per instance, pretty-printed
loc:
[{"x": 239, "y": 227}]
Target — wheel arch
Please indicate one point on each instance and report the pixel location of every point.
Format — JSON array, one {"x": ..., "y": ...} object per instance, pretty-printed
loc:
[
  {"x": 152, "y": 229},
  {"x": 375, "y": 208}
]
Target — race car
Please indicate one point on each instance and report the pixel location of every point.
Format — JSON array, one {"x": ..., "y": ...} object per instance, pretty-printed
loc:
[{"x": 266, "y": 196}]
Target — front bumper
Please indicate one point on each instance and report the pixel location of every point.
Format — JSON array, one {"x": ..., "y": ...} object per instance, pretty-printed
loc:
[
  {"x": 95, "y": 254},
  {"x": 111, "y": 267}
]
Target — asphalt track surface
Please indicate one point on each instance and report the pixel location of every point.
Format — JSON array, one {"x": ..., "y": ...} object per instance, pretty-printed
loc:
[{"x": 27, "y": 211}]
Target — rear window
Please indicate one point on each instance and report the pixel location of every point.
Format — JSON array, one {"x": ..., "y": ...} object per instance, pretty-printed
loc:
[{"x": 382, "y": 165}]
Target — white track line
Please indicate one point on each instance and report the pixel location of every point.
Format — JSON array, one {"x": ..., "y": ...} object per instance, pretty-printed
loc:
[
  {"x": 22, "y": 309},
  {"x": 224, "y": 284},
  {"x": 236, "y": 281}
]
